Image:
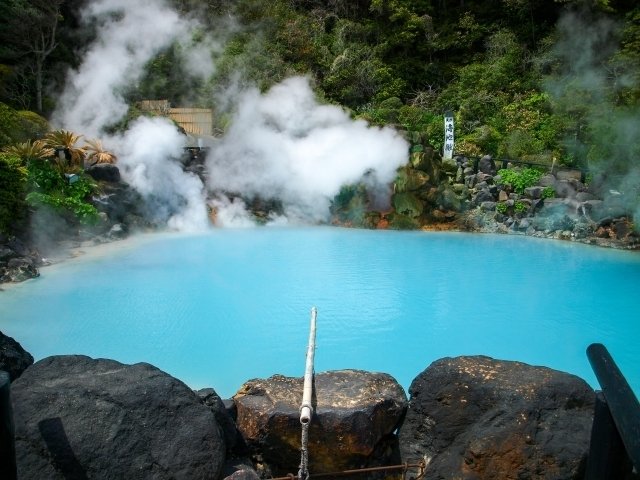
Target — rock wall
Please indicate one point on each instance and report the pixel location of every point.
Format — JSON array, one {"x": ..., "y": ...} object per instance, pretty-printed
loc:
[{"x": 472, "y": 418}]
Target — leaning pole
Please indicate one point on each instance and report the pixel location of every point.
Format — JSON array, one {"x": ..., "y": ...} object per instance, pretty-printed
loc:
[{"x": 306, "y": 408}]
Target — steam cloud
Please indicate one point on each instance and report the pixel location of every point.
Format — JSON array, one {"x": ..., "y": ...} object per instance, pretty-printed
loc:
[
  {"x": 284, "y": 145},
  {"x": 129, "y": 34},
  {"x": 585, "y": 47}
]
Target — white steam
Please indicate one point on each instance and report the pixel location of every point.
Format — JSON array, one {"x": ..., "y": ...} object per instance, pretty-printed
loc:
[
  {"x": 129, "y": 35},
  {"x": 590, "y": 81},
  {"x": 150, "y": 152},
  {"x": 284, "y": 145}
]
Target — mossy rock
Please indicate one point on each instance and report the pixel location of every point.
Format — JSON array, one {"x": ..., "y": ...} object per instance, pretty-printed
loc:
[
  {"x": 418, "y": 138},
  {"x": 32, "y": 125},
  {"x": 427, "y": 160},
  {"x": 398, "y": 221},
  {"x": 371, "y": 220},
  {"x": 449, "y": 167},
  {"x": 448, "y": 199},
  {"x": 408, "y": 204},
  {"x": 20, "y": 126},
  {"x": 410, "y": 179}
]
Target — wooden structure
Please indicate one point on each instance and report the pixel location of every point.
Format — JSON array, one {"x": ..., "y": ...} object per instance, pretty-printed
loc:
[{"x": 194, "y": 121}]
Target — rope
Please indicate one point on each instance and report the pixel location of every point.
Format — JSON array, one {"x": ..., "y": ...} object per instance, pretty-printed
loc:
[{"x": 303, "y": 473}]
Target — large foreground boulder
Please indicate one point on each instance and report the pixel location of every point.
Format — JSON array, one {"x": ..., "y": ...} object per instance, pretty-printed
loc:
[
  {"x": 356, "y": 413},
  {"x": 13, "y": 358},
  {"x": 479, "y": 418},
  {"x": 76, "y": 417}
]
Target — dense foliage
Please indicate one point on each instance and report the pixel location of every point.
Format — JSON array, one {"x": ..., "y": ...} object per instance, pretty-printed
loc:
[
  {"x": 47, "y": 188},
  {"x": 13, "y": 185},
  {"x": 520, "y": 179},
  {"x": 544, "y": 80}
]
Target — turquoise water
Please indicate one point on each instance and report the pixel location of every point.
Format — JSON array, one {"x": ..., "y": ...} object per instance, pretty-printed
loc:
[{"x": 220, "y": 308}]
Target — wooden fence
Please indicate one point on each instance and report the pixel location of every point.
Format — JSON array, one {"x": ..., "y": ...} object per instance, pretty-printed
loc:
[{"x": 195, "y": 121}]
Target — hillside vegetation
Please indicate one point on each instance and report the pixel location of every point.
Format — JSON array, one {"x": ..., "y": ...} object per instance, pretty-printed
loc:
[{"x": 544, "y": 80}]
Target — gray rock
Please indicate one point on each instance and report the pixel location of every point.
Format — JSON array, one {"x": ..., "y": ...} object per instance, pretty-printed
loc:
[
  {"x": 483, "y": 196},
  {"x": 13, "y": 358},
  {"x": 584, "y": 196},
  {"x": 480, "y": 418},
  {"x": 18, "y": 269},
  {"x": 356, "y": 413},
  {"x": 6, "y": 253},
  {"x": 569, "y": 175},
  {"x": 76, "y": 417},
  {"x": 533, "y": 192},
  {"x": 487, "y": 165},
  {"x": 548, "y": 180},
  {"x": 117, "y": 231},
  {"x": 564, "y": 189}
]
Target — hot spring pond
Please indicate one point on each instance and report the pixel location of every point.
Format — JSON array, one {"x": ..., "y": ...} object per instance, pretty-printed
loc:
[{"x": 217, "y": 309}]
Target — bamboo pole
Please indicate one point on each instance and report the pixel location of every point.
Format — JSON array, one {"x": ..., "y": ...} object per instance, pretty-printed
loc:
[{"x": 306, "y": 408}]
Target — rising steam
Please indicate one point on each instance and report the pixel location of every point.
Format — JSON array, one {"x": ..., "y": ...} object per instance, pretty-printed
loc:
[
  {"x": 130, "y": 34},
  {"x": 281, "y": 146},
  {"x": 284, "y": 145},
  {"x": 591, "y": 79}
]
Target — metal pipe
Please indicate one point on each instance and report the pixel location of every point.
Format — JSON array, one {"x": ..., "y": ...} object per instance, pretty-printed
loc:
[{"x": 306, "y": 408}]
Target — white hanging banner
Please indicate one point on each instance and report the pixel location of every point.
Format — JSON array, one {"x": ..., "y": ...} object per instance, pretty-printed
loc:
[{"x": 448, "y": 136}]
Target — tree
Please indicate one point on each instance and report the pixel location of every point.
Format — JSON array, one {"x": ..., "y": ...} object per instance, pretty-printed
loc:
[{"x": 30, "y": 37}]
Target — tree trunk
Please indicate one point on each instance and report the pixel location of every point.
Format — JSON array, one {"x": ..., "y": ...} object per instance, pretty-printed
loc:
[{"x": 38, "y": 72}]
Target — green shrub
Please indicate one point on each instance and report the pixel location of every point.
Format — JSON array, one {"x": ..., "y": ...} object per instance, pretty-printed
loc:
[
  {"x": 501, "y": 208},
  {"x": 548, "y": 192},
  {"x": 520, "y": 207},
  {"x": 13, "y": 184},
  {"x": 520, "y": 179},
  {"x": 49, "y": 188}
]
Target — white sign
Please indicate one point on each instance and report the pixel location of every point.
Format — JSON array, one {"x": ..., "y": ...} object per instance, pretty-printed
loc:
[{"x": 448, "y": 136}]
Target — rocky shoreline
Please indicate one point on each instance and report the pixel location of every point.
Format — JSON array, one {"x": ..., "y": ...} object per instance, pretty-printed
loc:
[
  {"x": 466, "y": 417},
  {"x": 430, "y": 194}
]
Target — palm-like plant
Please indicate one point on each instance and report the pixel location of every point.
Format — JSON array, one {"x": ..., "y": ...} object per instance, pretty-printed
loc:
[
  {"x": 66, "y": 140},
  {"x": 36, "y": 150},
  {"x": 97, "y": 154}
]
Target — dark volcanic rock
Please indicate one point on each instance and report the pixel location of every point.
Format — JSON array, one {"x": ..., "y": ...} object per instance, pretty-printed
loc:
[
  {"x": 355, "y": 416},
  {"x": 479, "y": 418},
  {"x": 105, "y": 172},
  {"x": 76, "y": 417},
  {"x": 212, "y": 400},
  {"x": 18, "y": 261},
  {"x": 487, "y": 165},
  {"x": 13, "y": 358},
  {"x": 244, "y": 474}
]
